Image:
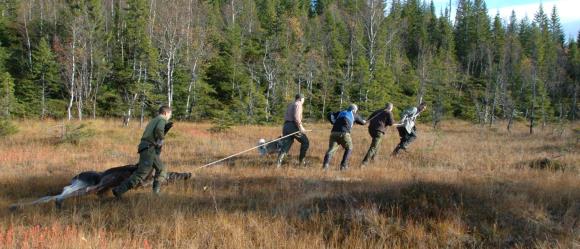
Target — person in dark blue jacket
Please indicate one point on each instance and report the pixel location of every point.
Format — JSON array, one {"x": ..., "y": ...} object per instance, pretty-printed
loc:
[{"x": 340, "y": 135}]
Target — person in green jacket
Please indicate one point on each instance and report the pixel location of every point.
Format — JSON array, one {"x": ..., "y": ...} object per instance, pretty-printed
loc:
[{"x": 149, "y": 150}]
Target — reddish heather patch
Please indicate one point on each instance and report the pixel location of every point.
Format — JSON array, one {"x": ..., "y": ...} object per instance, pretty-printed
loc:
[{"x": 196, "y": 132}]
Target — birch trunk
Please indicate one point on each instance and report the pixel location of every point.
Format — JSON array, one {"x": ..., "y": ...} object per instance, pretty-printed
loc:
[{"x": 72, "y": 77}]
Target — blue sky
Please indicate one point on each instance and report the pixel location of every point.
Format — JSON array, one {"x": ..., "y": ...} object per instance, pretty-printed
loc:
[{"x": 568, "y": 10}]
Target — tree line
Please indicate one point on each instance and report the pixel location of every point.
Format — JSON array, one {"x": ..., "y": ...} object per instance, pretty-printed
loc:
[{"x": 243, "y": 60}]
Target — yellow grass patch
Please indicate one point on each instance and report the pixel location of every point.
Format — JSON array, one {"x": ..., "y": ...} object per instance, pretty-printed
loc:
[{"x": 461, "y": 186}]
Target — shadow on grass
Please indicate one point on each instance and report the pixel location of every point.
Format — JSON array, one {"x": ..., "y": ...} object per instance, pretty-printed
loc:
[{"x": 495, "y": 215}]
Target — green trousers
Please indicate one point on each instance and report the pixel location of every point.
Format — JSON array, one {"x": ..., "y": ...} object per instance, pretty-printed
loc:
[
  {"x": 375, "y": 146},
  {"x": 338, "y": 138},
  {"x": 148, "y": 161}
]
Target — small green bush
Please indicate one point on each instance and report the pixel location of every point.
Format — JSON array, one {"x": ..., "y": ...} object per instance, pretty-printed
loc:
[
  {"x": 220, "y": 127},
  {"x": 222, "y": 124},
  {"x": 7, "y": 128},
  {"x": 74, "y": 134}
]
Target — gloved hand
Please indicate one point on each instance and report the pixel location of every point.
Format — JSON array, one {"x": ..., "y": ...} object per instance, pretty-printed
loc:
[{"x": 168, "y": 127}]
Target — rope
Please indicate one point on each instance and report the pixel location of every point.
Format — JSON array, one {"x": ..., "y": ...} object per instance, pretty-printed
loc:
[
  {"x": 255, "y": 147},
  {"x": 250, "y": 149}
]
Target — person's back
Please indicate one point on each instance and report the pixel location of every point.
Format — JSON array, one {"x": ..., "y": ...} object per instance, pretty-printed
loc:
[
  {"x": 293, "y": 125},
  {"x": 154, "y": 130},
  {"x": 379, "y": 121},
  {"x": 153, "y": 134},
  {"x": 345, "y": 120},
  {"x": 408, "y": 118},
  {"x": 340, "y": 135},
  {"x": 408, "y": 113},
  {"x": 294, "y": 112}
]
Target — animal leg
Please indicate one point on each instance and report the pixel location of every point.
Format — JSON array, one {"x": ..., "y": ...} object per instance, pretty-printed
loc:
[{"x": 45, "y": 199}]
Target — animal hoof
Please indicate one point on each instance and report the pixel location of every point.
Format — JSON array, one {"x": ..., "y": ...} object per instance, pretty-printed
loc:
[{"x": 58, "y": 204}]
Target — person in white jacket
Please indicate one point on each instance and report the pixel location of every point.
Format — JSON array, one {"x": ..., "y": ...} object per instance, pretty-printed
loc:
[{"x": 407, "y": 130}]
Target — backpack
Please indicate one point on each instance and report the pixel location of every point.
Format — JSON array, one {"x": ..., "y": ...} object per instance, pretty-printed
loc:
[
  {"x": 408, "y": 113},
  {"x": 331, "y": 117}
]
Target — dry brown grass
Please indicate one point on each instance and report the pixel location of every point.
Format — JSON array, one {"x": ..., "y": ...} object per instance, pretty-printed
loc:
[{"x": 459, "y": 187}]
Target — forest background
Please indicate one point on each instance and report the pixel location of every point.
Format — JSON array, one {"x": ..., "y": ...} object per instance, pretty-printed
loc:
[{"x": 242, "y": 61}]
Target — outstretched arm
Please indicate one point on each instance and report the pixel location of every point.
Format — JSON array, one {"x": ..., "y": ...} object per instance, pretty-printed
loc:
[
  {"x": 167, "y": 127},
  {"x": 359, "y": 120}
]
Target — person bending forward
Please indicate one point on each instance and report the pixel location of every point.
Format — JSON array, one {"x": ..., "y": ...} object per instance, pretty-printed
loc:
[
  {"x": 380, "y": 120},
  {"x": 407, "y": 130},
  {"x": 149, "y": 150},
  {"x": 340, "y": 135}
]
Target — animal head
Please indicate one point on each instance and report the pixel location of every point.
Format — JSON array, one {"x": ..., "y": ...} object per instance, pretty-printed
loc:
[{"x": 262, "y": 148}]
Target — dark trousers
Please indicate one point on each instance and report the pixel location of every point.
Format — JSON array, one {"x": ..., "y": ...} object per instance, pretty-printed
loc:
[
  {"x": 289, "y": 128},
  {"x": 406, "y": 138}
]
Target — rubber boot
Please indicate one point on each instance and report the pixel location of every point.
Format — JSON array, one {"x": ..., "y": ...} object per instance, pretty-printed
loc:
[
  {"x": 345, "y": 157},
  {"x": 325, "y": 164},
  {"x": 280, "y": 160},
  {"x": 396, "y": 151},
  {"x": 156, "y": 188}
]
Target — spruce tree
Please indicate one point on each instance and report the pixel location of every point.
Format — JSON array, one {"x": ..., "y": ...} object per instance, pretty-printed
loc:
[
  {"x": 6, "y": 94},
  {"x": 556, "y": 27},
  {"x": 45, "y": 74}
]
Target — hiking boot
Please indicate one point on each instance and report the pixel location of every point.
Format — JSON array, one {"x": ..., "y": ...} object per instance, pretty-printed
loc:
[
  {"x": 364, "y": 164},
  {"x": 343, "y": 167},
  {"x": 325, "y": 167}
]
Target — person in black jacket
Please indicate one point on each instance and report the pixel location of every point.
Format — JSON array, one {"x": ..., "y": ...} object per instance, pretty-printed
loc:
[
  {"x": 380, "y": 120},
  {"x": 340, "y": 135}
]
